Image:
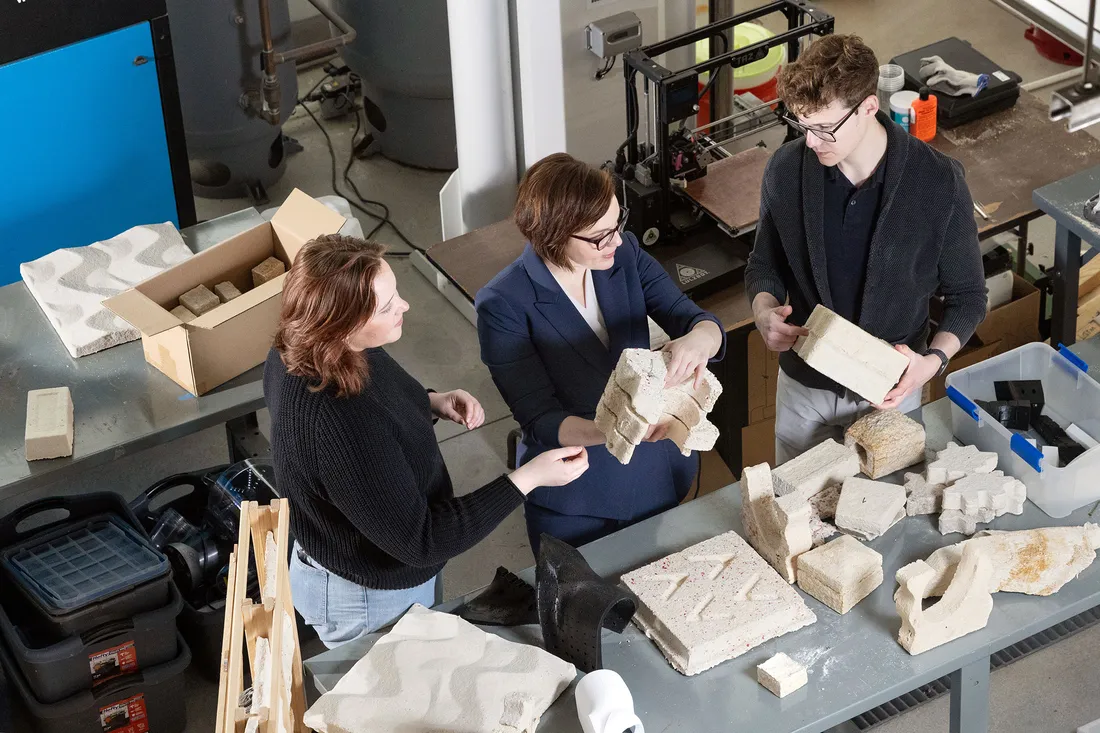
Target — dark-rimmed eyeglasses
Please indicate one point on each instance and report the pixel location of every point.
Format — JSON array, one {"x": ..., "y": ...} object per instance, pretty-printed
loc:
[
  {"x": 600, "y": 242},
  {"x": 829, "y": 135}
]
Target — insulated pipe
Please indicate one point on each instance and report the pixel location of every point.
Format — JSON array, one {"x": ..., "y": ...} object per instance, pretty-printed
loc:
[{"x": 485, "y": 132}]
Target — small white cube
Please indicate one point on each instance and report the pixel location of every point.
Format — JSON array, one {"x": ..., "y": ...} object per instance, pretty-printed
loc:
[{"x": 781, "y": 675}]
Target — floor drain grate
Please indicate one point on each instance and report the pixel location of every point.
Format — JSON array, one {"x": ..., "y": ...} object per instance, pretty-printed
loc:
[{"x": 1003, "y": 658}]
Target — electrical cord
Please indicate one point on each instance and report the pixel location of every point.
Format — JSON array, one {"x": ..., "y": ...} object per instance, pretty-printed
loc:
[
  {"x": 714, "y": 74},
  {"x": 606, "y": 68}
]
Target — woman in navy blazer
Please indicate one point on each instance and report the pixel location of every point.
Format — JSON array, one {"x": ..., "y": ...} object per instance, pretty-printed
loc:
[{"x": 552, "y": 326}]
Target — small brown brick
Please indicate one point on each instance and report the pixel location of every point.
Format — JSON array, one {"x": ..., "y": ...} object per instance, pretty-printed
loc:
[
  {"x": 199, "y": 300},
  {"x": 267, "y": 270},
  {"x": 183, "y": 314},
  {"x": 227, "y": 291}
]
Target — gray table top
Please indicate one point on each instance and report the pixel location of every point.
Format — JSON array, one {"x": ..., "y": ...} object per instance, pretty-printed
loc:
[
  {"x": 121, "y": 404},
  {"x": 854, "y": 661},
  {"x": 1064, "y": 201}
]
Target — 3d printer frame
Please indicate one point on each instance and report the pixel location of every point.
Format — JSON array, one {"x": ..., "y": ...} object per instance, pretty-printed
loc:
[{"x": 672, "y": 96}]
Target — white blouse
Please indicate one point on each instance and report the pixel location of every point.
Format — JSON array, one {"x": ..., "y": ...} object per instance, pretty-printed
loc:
[{"x": 590, "y": 309}]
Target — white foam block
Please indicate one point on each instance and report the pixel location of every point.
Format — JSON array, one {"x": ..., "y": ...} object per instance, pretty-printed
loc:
[
  {"x": 713, "y": 601},
  {"x": 826, "y": 463},
  {"x": 49, "y": 427},
  {"x": 781, "y": 675}
]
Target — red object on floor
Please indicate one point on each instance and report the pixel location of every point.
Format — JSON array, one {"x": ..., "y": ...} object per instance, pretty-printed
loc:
[{"x": 1051, "y": 48}]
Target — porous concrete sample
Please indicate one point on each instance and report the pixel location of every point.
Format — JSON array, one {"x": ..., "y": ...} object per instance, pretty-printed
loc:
[
  {"x": 850, "y": 356},
  {"x": 713, "y": 601},
  {"x": 958, "y": 461},
  {"x": 781, "y": 675},
  {"x": 701, "y": 437},
  {"x": 923, "y": 497},
  {"x": 886, "y": 441},
  {"x": 619, "y": 446},
  {"x": 777, "y": 528},
  {"x": 823, "y": 504},
  {"x": 1003, "y": 494},
  {"x": 708, "y": 392},
  {"x": 820, "y": 530},
  {"x": 199, "y": 300},
  {"x": 615, "y": 410},
  {"x": 227, "y": 291},
  {"x": 683, "y": 407},
  {"x": 1033, "y": 561},
  {"x": 49, "y": 426},
  {"x": 183, "y": 314},
  {"x": 964, "y": 607},
  {"x": 953, "y": 521},
  {"x": 267, "y": 271},
  {"x": 868, "y": 508},
  {"x": 641, "y": 374},
  {"x": 826, "y": 463},
  {"x": 841, "y": 573}
]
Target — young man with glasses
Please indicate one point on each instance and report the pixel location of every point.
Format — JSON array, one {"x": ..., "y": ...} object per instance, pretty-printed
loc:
[
  {"x": 865, "y": 219},
  {"x": 552, "y": 326}
]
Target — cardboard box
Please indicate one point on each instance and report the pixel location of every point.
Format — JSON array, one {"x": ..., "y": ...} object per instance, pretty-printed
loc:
[
  {"x": 763, "y": 371},
  {"x": 1015, "y": 323},
  {"x": 758, "y": 443},
  {"x": 235, "y": 336}
]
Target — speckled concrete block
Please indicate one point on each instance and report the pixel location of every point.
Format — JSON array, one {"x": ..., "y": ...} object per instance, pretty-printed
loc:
[
  {"x": 701, "y": 437},
  {"x": 868, "y": 509},
  {"x": 922, "y": 497},
  {"x": 713, "y": 601},
  {"x": 199, "y": 300},
  {"x": 886, "y": 441},
  {"x": 267, "y": 271},
  {"x": 183, "y": 314},
  {"x": 777, "y": 528},
  {"x": 841, "y": 573},
  {"x": 825, "y": 464},
  {"x": 227, "y": 291},
  {"x": 781, "y": 675},
  {"x": 49, "y": 425},
  {"x": 958, "y": 461}
]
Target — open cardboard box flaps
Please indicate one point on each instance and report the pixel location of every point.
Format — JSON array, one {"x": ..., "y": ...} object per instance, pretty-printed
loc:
[{"x": 235, "y": 336}]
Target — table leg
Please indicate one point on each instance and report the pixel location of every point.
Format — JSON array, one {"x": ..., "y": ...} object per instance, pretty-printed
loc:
[
  {"x": 1021, "y": 249},
  {"x": 1067, "y": 269},
  {"x": 970, "y": 698},
  {"x": 245, "y": 438}
]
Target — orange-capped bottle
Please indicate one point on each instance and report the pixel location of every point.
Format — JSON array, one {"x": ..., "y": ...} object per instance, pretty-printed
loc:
[{"x": 922, "y": 122}]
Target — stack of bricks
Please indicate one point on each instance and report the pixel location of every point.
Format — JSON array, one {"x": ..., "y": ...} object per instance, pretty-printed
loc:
[{"x": 636, "y": 399}]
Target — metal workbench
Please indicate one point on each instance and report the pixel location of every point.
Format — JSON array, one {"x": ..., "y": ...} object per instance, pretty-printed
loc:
[
  {"x": 855, "y": 663},
  {"x": 1064, "y": 202},
  {"x": 121, "y": 404}
]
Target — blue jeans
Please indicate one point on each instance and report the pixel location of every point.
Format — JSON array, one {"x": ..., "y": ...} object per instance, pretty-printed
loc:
[{"x": 340, "y": 610}]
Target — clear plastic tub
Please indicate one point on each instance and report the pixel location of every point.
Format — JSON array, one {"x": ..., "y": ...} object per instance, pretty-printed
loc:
[{"x": 1071, "y": 396}]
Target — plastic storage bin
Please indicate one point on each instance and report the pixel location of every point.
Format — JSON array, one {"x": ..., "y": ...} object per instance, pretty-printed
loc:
[
  {"x": 55, "y": 670},
  {"x": 150, "y": 701},
  {"x": 1071, "y": 396}
]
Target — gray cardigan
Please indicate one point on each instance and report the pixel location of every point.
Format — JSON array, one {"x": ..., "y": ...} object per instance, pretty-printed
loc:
[{"x": 925, "y": 242}]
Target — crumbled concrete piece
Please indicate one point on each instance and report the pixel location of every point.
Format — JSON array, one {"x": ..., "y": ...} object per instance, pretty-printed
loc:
[
  {"x": 641, "y": 374},
  {"x": 619, "y": 446},
  {"x": 1033, "y": 561},
  {"x": 713, "y": 601},
  {"x": 781, "y": 675},
  {"x": 826, "y": 463},
  {"x": 615, "y": 410},
  {"x": 227, "y": 291},
  {"x": 684, "y": 408},
  {"x": 955, "y": 462},
  {"x": 964, "y": 607},
  {"x": 850, "y": 356},
  {"x": 820, "y": 531},
  {"x": 709, "y": 390},
  {"x": 183, "y": 314},
  {"x": 823, "y": 504},
  {"x": 869, "y": 508},
  {"x": 267, "y": 271},
  {"x": 886, "y": 441},
  {"x": 841, "y": 573},
  {"x": 953, "y": 521},
  {"x": 199, "y": 300},
  {"x": 1003, "y": 494},
  {"x": 777, "y": 528},
  {"x": 702, "y": 437},
  {"x": 923, "y": 497},
  {"x": 49, "y": 427}
]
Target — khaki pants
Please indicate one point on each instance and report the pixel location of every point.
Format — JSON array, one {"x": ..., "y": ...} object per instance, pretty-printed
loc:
[{"x": 805, "y": 416}]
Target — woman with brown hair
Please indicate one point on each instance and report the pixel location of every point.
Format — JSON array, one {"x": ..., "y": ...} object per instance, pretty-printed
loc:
[
  {"x": 552, "y": 326},
  {"x": 372, "y": 506}
]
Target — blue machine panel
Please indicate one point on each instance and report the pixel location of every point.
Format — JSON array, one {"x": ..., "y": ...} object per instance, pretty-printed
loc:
[{"x": 83, "y": 152}]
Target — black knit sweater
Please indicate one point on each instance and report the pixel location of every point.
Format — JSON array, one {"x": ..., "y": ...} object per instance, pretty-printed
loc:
[
  {"x": 925, "y": 242},
  {"x": 370, "y": 496}
]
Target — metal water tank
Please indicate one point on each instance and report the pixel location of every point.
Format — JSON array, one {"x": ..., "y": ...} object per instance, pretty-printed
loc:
[
  {"x": 233, "y": 151},
  {"x": 403, "y": 56}
]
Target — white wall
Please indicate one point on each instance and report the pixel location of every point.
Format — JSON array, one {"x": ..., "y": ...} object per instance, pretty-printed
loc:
[{"x": 301, "y": 10}]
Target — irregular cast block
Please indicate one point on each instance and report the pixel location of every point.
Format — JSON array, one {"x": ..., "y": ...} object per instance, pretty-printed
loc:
[
  {"x": 869, "y": 508},
  {"x": 684, "y": 408},
  {"x": 199, "y": 300},
  {"x": 886, "y": 441},
  {"x": 826, "y": 463},
  {"x": 1033, "y": 561},
  {"x": 267, "y": 271},
  {"x": 964, "y": 607},
  {"x": 841, "y": 573},
  {"x": 995, "y": 491},
  {"x": 781, "y": 675},
  {"x": 824, "y": 503},
  {"x": 49, "y": 426},
  {"x": 713, "y": 601},
  {"x": 777, "y": 528},
  {"x": 619, "y": 446},
  {"x": 850, "y": 356},
  {"x": 707, "y": 394},
  {"x": 615, "y": 410},
  {"x": 227, "y": 291},
  {"x": 955, "y": 462},
  {"x": 641, "y": 374},
  {"x": 702, "y": 437},
  {"x": 953, "y": 521},
  {"x": 183, "y": 314},
  {"x": 820, "y": 530},
  {"x": 923, "y": 497}
]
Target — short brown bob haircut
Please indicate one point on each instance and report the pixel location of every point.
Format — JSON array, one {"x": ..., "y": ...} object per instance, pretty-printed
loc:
[
  {"x": 328, "y": 294},
  {"x": 834, "y": 68},
  {"x": 558, "y": 197}
]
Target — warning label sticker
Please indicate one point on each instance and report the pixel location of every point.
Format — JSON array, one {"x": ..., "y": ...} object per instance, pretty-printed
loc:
[
  {"x": 111, "y": 663},
  {"x": 128, "y": 716}
]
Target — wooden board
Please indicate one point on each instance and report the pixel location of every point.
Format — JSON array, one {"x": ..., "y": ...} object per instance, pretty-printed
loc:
[
  {"x": 1009, "y": 154},
  {"x": 730, "y": 191},
  {"x": 473, "y": 259}
]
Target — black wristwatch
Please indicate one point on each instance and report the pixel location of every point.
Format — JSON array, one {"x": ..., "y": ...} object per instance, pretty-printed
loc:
[{"x": 942, "y": 357}]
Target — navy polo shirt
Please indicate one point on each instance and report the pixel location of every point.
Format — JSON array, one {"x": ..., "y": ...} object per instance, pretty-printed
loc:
[{"x": 850, "y": 216}]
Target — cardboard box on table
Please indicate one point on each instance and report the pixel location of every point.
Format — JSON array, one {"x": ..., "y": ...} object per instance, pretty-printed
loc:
[{"x": 235, "y": 336}]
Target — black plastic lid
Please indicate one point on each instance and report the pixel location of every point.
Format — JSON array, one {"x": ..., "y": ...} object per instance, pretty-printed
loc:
[{"x": 924, "y": 92}]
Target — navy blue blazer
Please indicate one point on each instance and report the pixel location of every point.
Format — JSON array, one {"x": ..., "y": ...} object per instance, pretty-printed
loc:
[{"x": 548, "y": 364}]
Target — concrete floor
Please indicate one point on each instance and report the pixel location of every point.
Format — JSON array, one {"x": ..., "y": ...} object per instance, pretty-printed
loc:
[{"x": 1054, "y": 690}]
